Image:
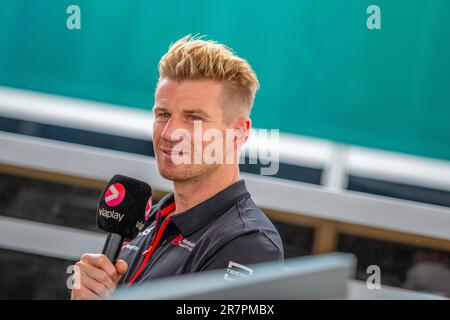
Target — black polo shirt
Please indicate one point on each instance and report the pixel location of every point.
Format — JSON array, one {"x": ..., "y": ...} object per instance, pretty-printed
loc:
[{"x": 226, "y": 231}]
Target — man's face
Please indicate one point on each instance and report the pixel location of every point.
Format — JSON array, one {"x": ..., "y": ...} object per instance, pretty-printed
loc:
[{"x": 179, "y": 107}]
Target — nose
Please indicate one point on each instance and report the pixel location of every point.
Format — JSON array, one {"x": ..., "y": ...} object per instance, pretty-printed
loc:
[{"x": 169, "y": 132}]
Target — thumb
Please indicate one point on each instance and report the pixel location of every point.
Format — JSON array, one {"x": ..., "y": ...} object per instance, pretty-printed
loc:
[{"x": 121, "y": 267}]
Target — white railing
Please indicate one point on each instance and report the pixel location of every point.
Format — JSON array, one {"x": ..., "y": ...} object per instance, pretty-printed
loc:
[
  {"x": 337, "y": 160},
  {"x": 328, "y": 202}
]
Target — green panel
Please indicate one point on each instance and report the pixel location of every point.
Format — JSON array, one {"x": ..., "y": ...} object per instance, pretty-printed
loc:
[{"x": 323, "y": 73}]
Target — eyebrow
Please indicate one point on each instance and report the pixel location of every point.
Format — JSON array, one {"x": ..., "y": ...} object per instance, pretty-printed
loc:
[
  {"x": 159, "y": 108},
  {"x": 195, "y": 111}
]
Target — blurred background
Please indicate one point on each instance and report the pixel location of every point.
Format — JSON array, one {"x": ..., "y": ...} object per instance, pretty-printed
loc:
[{"x": 363, "y": 114}]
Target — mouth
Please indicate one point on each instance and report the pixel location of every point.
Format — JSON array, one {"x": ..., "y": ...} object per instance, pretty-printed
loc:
[{"x": 171, "y": 152}]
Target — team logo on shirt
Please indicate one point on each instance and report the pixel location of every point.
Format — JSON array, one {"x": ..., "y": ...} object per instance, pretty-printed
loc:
[
  {"x": 129, "y": 246},
  {"x": 177, "y": 240},
  {"x": 146, "y": 231},
  {"x": 237, "y": 271},
  {"x": 181, "y": 242}
]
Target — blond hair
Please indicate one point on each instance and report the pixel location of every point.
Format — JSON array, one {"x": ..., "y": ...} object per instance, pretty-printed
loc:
[{"x": 192, "y": 58}]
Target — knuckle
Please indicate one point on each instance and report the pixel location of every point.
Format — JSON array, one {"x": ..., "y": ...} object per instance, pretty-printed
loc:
[
  {"x": 114, "y": 273},
  {"x": 102, "y": 260},
  {"x": 103, "y": 277},
  {"x": 85, "y": 257}
]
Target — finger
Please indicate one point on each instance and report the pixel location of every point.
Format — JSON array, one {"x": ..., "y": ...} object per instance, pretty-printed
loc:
[
  {"x": 96, "y": 287},
  {"x": 84, "y": 294},
  {"x": 99, "y": 275},
  {"x": 102, "y": 262},
  {"x": 121, "y": 266}
]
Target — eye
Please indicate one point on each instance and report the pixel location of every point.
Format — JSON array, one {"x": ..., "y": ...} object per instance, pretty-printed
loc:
[
  {"x": 164, "y": 115},
  {"x": 193, "y": 117}
]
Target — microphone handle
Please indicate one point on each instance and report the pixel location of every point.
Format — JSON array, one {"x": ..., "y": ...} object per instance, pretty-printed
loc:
[{"x": 112, "y": 246}]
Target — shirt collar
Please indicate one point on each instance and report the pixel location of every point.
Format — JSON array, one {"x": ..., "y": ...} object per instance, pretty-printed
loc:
[{"x": 193, "y": 219}]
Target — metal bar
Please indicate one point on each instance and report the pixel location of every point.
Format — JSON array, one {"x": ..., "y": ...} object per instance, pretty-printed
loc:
[
  {"x": 268, "y": 192},
  {"x": 48, "y": 240}
]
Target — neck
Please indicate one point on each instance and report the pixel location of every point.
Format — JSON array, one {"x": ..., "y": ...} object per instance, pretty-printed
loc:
[{"x": 190, "y": 193}]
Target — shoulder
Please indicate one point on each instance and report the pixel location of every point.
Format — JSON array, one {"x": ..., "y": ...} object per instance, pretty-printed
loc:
[
  {"x": 245, "y": 219},
  {"x": 243, "y": 235}
]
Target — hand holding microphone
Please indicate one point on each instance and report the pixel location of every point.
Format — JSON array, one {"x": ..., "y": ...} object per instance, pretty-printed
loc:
[
  {"x": 98, "y": 277},
  {"x": 122, "y": 213}
]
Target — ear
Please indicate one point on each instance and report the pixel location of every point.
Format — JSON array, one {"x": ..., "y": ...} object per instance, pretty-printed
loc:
[{"x": 242, "y": 128}]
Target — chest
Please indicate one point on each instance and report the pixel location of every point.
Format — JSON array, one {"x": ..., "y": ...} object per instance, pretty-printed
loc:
[{"x": 173, "y": 255}]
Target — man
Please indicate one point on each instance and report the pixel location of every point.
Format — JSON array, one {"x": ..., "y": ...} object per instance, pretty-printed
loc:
[{"x": 209, "y": 221}]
